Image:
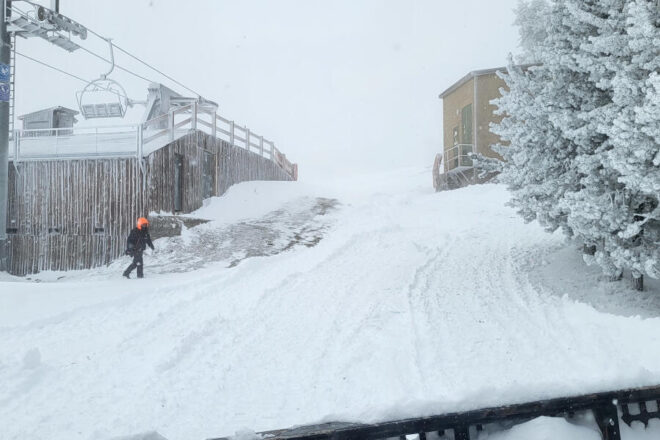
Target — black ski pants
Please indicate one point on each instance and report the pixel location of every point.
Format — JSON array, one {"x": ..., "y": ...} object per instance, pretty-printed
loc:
[{"x": 137, "y": 262}]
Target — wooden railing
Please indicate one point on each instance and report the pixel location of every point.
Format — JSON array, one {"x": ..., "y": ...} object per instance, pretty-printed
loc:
[{"x": 138, "y": 140}]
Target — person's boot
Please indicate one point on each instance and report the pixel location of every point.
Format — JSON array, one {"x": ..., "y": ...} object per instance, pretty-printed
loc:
[{"x": 127, "y": 275}]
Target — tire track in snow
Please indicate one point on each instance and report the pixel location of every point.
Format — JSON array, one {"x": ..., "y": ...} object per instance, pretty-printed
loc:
[{"x": 421, "y": 315}]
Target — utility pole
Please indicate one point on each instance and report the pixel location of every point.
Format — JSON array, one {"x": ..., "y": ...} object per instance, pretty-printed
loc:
[
  {"x": 5, "y": 60},
  {"x": 57, "y": 29}
]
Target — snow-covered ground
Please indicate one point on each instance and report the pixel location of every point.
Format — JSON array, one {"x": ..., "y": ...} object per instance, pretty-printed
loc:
[{"x": 364, "y": 299}]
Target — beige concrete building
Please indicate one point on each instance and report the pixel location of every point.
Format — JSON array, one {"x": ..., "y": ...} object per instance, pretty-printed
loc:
[{"x": 467, "y": 115}]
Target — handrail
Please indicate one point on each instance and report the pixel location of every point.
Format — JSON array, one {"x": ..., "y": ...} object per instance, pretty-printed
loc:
[
  {"x": 459, "y": 155},
  {"x": 182, "y": 109},
  {"x": 182, "y": 123},
  {"x": 35, "y": 130},
  {"x": 110, "y": 140},
  {"x": 156, "y": 119},
  {"x": 155, "y": 136}
]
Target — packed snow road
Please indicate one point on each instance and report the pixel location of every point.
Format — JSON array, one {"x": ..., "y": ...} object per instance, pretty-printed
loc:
[{"x": 395, "y": 301}]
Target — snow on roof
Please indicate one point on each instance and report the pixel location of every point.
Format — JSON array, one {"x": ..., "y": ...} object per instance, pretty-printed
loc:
[
  {"x": 476, "y": 73},
  {"x": 51, "y": 109}
]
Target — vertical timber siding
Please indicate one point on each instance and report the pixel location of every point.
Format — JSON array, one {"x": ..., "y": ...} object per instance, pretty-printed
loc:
[
  {"x": 75, "y": 214},
  {"x": 70, "y": 213},
  {"x": 232, "y": 165},
  {"x": 237, "y": 165}
]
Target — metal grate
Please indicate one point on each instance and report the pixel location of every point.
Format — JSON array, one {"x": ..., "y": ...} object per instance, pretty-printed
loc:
[
  {"x": 465, "y": 425},
  {"x": 642, "y": 414}
]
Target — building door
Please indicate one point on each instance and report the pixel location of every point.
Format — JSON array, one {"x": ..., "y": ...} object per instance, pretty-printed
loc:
[
  {"x": 454, "y": 150},
  {"x": 466, "y": 136},
  {"x": 208, "y": 172},
  {"x": 178, "y": 183}
]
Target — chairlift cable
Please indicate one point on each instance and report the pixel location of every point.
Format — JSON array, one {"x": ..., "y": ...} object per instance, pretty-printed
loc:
[
  {"x": 26, "y": 16},
  {"x": 52, "y": 67},
  {"x": 117, "y": 66},
  {"x": 121, "y": 50},
  {"x": 65, "y": 72},
  {"x": 102, "y": 58},
  {"x": 145, "y": 63},
  {"x": 154, "y": 69}
]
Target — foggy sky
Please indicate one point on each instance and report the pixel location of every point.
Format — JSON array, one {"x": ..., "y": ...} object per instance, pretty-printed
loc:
[{"x": 341, "y": 86}]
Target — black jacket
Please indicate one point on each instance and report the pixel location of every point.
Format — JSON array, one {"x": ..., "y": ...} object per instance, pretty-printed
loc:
[{"x": 138, "y": 240}]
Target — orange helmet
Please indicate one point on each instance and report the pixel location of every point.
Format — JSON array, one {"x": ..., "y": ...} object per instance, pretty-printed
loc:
[{"x": 142, "y": 223}]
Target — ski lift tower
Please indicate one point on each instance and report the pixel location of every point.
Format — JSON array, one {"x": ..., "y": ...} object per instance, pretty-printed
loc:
[{"x": 27, "y": 21}]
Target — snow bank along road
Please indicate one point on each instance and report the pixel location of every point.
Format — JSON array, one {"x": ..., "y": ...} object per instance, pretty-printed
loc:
[{"x": 412, "y": 303}]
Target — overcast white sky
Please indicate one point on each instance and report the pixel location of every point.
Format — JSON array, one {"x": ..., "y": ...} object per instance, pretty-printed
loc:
[{"x": 341, "y": 86}]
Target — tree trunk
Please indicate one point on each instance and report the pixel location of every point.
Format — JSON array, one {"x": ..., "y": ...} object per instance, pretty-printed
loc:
[
  {"x": 638, "y": 282},
  {"x": 589, "y": 249},
  {"x": 617, "y": 276}
]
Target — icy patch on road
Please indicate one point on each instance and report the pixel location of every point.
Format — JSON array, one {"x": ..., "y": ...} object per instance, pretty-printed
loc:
[
  {"x": 301, "y": 222},
  {"x": 298, "y": 223}
]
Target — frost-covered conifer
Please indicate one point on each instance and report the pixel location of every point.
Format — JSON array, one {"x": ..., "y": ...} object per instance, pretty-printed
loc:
[
  {"x": 540, "y": 126},
  {"x": 530, "y": 19},
  {"x": 584, "y": 129}
]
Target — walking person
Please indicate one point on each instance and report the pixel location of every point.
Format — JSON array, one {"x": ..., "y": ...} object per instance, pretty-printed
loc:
[{"x": 137, "y": 242}]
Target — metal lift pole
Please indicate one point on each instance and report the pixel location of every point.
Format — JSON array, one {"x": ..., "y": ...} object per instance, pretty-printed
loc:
[{"x": 5, "y": 54}]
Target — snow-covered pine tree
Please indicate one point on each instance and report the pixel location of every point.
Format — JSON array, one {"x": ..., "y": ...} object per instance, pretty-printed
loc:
[
  {"x": 598, "y": 208},
  {"x": 621, "y": 60},
  {"x": 530, "y": 19},
  {"x": 635, "y": 132},
  {"x": 583, "y": 129},
  {"x": 539, "y": 109}
]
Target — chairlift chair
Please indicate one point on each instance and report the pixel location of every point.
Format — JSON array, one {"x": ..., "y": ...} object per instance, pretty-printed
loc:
[{"x": 103, "y": 97}]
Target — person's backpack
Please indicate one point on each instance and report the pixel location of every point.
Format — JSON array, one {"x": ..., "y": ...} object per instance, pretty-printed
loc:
[{"x": 130, "y": 247}]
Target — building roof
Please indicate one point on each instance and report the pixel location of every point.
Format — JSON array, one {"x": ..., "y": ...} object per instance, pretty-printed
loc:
[
  {"x": 51, "y": 109},
  {"x": 476, "y": 73},
  {"x": 468, "y": 77}
]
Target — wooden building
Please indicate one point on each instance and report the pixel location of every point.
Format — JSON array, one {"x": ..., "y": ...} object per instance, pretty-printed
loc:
[
  {"x": 54, "y": 117},
  {"x": 467, "y": 115},
  {"x": 76, "y": 212}
]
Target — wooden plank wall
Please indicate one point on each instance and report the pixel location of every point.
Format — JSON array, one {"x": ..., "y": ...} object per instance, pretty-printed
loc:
[
  {"x": 233, "y": 165},
  {"x": 71, "y": 213},
  {"x": 160, "y": 173},
  {"x": 57, "y": 205},
  {"x": 236, "y": 165}
]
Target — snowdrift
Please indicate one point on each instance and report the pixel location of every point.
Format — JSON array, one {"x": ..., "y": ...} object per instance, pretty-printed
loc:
[{"x": 410, "y": 303}]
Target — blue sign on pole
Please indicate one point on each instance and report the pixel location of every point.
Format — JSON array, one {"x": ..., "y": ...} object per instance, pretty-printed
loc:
[
  {"x": 4, "y": 92},
  {"x": 5, "y": 73}
]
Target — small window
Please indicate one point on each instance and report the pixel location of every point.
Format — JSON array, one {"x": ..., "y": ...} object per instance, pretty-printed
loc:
[
  {"x": 12, "y": 230},
  {"x": 54, "y": 230},
  {"x": 98, "y": 230}
]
